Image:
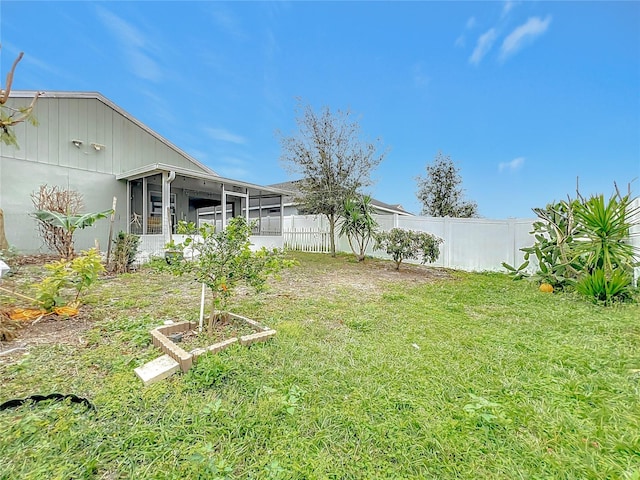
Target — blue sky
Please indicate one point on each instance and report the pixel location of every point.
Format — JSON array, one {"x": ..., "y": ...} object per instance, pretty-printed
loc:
[{"x": 524, "y": 96}]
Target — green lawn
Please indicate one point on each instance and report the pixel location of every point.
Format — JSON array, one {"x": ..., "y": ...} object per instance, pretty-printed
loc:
[{"x": 467, "y": 376}]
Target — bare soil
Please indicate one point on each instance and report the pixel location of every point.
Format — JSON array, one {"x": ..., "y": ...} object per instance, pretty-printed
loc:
[
  {"x": 367, "y": 277},
  {"x": 312, "y": 280}
]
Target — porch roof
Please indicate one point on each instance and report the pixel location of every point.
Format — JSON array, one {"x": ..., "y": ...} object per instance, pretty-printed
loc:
[{"x": 156, "y": 168}]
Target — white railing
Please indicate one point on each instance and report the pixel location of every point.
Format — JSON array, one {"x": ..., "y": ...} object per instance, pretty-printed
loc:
[{"x": 307, "y": 240}]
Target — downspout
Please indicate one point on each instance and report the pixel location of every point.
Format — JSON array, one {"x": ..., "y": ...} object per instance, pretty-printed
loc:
[{"x": 166, "y": 204}]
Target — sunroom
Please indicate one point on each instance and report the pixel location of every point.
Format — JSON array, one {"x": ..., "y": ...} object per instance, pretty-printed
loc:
[{"x": 160, "y": 196}]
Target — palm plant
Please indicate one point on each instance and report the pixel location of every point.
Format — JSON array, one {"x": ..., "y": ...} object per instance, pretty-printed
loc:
[
  {"x": 357, "y": 224},
  {"x": 609, "y": 258}
]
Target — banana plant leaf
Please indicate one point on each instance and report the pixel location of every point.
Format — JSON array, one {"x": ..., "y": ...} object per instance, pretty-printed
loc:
[{"x": 70, "y": 222}]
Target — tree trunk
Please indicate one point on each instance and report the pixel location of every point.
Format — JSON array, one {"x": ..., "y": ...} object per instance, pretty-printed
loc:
[
  {"x": 212, "y": 315},
  {"x": 332, "y": 228},
  {"x": 4, "y": 245}
]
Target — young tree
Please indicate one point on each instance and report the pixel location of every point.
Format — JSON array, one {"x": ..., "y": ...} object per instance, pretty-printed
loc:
[
  {"x": 358, "y": 225},
  {"x": 333, "y": 161},
  {"x": 222, "y": 259},
  {"x": 9, "y": 117},
  {"x": 441, "y": 193}
]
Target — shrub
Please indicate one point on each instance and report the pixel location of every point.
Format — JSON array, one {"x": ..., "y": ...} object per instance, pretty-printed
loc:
[
  {"x": 66, "y": 225},
  {"x": 407, "y": 244},
  {"x": 61, "y": 201},
  {"x": 555, "y": 235},
  {"x": 78, "y": 274},
  {"x": 125, "y": 252},
  {"x": 606, "y": 289}
]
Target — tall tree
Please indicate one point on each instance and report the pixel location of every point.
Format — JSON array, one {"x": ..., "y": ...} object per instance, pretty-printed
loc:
[
  {"x": 331, "y": 158},
  {"x": 441, "y": 193}
]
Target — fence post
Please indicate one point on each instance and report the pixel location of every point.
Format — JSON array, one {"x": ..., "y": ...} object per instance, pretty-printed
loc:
[
  {"x": 511, "y": 222},
  {"x": 447, "y": 242}
]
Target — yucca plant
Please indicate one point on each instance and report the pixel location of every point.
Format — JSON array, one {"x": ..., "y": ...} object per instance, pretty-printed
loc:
[
  {"x": 609, "y": 257},
  {"x": 605, "y": 227},
  {"x": 596, "y": 285},
  {"x": 358, "y": 225}
]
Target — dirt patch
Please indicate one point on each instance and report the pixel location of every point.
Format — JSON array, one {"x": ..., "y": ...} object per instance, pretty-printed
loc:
[
  {"x": 368, "y": 278},
  {"x": 49, "y": 330},
  {"x": 36, "y": 259}
]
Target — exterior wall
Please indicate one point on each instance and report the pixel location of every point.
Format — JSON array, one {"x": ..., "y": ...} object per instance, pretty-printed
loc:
[
  {"x": 47, "y": 155},
  {"x": 19, "y": 179},
  {"x": 126, "y": 144}
]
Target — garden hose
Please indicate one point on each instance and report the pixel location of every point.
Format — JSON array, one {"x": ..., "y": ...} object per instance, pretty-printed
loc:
[{"x": 57, "y": 397}]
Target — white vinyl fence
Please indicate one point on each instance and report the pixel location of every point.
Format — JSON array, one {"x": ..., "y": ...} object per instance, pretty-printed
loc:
[
  {"x": 634, "y": 236},
  {"x": 472, "y": 244}
]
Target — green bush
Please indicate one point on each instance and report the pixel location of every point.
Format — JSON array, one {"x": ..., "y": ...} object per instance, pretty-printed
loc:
[
  {"x": 78, "y": 274},
  {"x": 555, "y": 235},
  {"x": 407, "y": 244},
  {"x": 124, "y": 254}
]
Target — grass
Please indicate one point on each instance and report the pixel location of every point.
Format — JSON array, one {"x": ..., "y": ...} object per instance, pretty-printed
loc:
[{"x": 471, "y": 376}]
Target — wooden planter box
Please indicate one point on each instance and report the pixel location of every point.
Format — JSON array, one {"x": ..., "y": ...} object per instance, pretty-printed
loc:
[{"x": 160, "y": 336}]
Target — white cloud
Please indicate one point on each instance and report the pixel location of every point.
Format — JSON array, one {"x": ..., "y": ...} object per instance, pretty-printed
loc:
[
  {"x": 484, "y": 44},
  {"x": 225, "y": 136},
  {"x": 461, "y": 41},
  {"x": 134, "y": 45},
  {"x": 524, "y": 34},
  {"x": 506, "y": 8},
  {"x": 512, "y": 166}
]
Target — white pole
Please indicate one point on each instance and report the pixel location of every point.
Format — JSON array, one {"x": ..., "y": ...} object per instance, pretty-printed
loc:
[{"x": 201, "y": 309}]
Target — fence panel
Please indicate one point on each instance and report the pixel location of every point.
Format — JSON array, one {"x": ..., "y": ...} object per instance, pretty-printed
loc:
[
  {"x": 307, "y": 240},
  {"x": 634, "y": 236},
  {"x": 472, "y": 244}
]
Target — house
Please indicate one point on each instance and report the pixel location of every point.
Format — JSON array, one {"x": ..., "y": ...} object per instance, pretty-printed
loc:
[
  {"x": 84, "y": 142},
  {"x": 291, "y": 207}
]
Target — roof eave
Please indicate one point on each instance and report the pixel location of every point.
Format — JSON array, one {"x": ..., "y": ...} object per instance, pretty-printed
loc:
[{"x": 155, "y": 168}]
